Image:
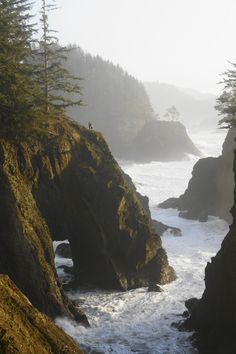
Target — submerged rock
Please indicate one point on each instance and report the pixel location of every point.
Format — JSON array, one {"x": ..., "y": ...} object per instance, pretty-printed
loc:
[
  {"x": 210, "y": 190},
  {"x": 153, "y": 287},
  {"x": 64, "y": 250},
  {"x": 25, "y": 330}
]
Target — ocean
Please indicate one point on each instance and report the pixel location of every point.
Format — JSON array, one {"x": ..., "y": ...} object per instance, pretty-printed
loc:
[{"x": 138, "y": 321}]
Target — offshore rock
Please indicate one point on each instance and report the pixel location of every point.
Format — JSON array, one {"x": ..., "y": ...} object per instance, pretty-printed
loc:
[
  {"x": 25, "y": 330},
  {"x": 210, "y": 190},
  {"x": 162, "y": 141},
  {"x": 213, "y": 316}
]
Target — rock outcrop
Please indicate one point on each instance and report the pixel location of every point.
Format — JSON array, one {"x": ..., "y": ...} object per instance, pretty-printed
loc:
[
  {"x": 213, "y": 317},
  {"x": 84, "y": 197},
  {"x": 26, "y": 252},
  {"x": 162, "y": 141},
  {"x": 25, "y": 330},
  {"x": 210, "y": 190},
  {"x": 69, "y": 187}
]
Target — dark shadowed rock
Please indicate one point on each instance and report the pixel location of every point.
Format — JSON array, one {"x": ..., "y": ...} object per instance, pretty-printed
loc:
[
  {"x": 69, "y": 185},
  {"x": 210, "y": 190},
  {"x": 191, "y": 304},
  {"x": 82, "y": 193},
  {"x": 153, "y": 287},
  {"x": 213, "y": 318},
  {"x": 26, "y": 252},
  {"x": 159, "y": 227},
  {"x": 169, "y": 203},
  {"x": 25, "y": 330},
  {"x": 64, "y": 250}
]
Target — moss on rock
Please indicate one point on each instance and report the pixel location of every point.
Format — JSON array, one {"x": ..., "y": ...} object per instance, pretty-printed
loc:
[{"x": 25, "y": 330}]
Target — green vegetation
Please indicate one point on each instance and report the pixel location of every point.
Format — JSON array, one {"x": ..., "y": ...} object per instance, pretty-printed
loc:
[
  {"x": 19, "y": 94},
  {"x": 53, "y": 78},
  {"x": 31, "y": 73},
  {"x": 226, "y": 103}
]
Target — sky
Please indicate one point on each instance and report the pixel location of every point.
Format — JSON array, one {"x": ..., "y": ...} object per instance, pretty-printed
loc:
[{"x": 187, "y": 43}]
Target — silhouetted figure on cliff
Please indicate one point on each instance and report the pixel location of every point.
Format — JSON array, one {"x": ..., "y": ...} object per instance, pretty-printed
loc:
[{"x": 90, "y": 126}]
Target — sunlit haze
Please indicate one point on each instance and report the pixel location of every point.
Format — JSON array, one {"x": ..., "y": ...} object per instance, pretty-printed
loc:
[{"x": 187, "y": 43}]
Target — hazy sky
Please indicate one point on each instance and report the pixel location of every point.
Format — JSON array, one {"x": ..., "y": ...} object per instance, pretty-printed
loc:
[{"x": 183, "y": 42}]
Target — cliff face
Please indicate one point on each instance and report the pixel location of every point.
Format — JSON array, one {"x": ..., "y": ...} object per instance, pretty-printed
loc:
[
  {"x": 26, "y": 252},
  {"x": 214, "y": 316},
  {"x": 25, "y": 330},
  {"x": 70, "y": 187},
  {"x": 83, "y": 196},
  {"x": 162, "y": 141},
  {"x": 210, "y": 190}
]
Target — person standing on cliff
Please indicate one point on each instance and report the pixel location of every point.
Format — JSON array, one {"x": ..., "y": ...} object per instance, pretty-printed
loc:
[{"x": 90, "y": 126}]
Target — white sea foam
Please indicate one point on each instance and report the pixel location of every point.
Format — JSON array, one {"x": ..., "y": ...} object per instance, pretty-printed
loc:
[{"x": 137, "y": 321}]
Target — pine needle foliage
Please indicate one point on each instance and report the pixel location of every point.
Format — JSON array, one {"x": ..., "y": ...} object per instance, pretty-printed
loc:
[
  {"x": 226, "y": 103},
  {"x": 20, "y": 110},
  {"x": 60, "y": 89}
]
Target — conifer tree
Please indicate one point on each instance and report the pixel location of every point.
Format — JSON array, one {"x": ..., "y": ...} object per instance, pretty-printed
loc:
[
  {"x": 60, "y": 88},
  {"x": 19, "y": 93},
  {"x": 226, "y": 103}
]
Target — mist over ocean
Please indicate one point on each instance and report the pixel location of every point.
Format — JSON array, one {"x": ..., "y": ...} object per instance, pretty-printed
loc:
[{"x": 137, "y": 321}]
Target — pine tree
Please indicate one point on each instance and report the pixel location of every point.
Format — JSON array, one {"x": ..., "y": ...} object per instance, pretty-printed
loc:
[
  {"x": 60, "y": 88},
  {"x": 19, "y": 93},
  {"x": 226, "y": 103}
]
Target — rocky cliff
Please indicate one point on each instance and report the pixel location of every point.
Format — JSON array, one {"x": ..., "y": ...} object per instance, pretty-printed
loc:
[
  {"x": 210, "y": 190},
  {"x": 162, "y": 141},
  {"x": 68, "y": 186},
  {"x": 84, "y": 197},
  {"x": 26, "y": 252},
  {"x": 25, "y": 330},
  {"x": 214, "y": 316}
]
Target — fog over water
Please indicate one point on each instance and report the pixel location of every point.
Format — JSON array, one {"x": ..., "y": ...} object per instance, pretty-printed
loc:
[{"x": 186, "y": 43}]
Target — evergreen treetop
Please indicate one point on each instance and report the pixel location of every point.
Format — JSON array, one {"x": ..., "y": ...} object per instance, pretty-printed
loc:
[
  {"x": 226, "y": 103},
  {"x": 60, "y": 89},
  {"x": 19, "y": 93}
]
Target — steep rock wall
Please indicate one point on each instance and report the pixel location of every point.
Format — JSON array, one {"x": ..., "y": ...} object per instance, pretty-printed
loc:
[
  {"x": 25, "y": 330},
  {"x": 84, "y": 197},
  {"x": 214, "y": 316},
  {"x": 210, "y": 190},
  {"x": 70, "y": 187}
]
